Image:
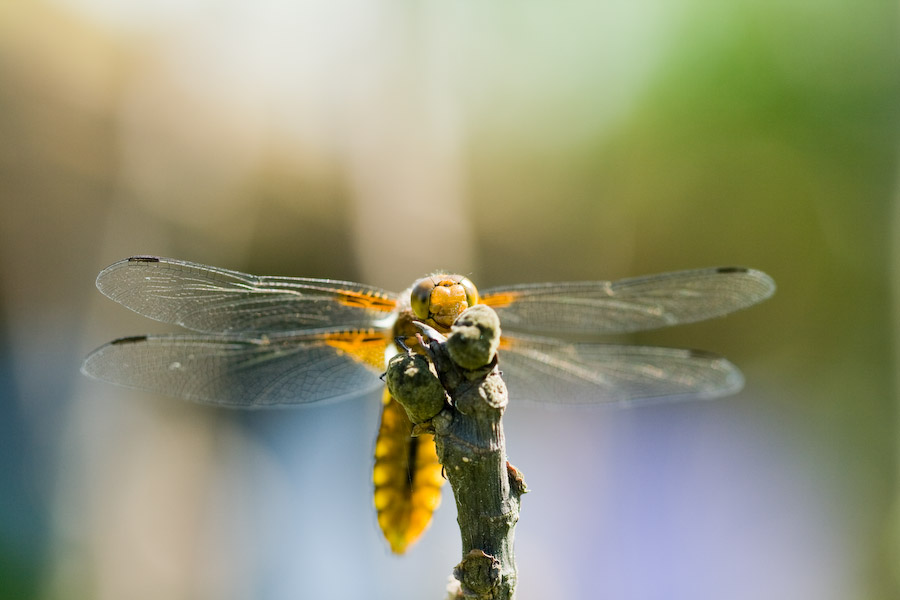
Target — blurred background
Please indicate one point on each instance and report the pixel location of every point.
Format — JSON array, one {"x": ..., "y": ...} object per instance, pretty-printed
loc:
[{"x": 515, "y": 142}]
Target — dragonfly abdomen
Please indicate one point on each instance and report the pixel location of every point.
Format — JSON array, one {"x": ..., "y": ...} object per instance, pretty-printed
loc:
[{"x": 407, "y": 478}]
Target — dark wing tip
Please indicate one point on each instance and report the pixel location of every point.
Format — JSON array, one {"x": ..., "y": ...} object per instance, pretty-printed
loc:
[
  {"x": 765, "y": 284},
  {"x": 116, "y": 266},
  {"x": 731, "y": 379},
  {"x": 129, "y": 340}
]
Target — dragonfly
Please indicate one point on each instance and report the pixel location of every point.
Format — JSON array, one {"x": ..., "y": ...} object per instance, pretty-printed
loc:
[{"x": 262, "y": 341}]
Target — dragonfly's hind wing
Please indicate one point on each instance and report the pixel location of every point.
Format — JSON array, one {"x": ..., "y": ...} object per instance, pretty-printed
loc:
[
  {"x": 245, "y": 372},
  {"x": 605, "y": 307},
  {"x": 214, "y": 300},
  {"x": 542, "y": 370}
]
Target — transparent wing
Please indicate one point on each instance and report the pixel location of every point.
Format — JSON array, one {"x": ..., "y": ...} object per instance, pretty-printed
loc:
[
  {"x": 242, "y": 371},
  {"x": 548, "y": 371},
  {"x": 214, "y": 300},
  {"x": 604, "y": 307}
]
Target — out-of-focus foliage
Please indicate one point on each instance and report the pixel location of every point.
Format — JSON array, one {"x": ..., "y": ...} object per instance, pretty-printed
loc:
[{"x": 375, "y": 142}]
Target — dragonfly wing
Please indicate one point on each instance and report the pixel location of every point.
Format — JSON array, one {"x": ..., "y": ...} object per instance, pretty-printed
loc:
[
  {"x": 244, "y": 372},
  {"x": 604, "y": 307},
  {"x": 542, "y": 370},
  {"x": 214, "y": 300}
]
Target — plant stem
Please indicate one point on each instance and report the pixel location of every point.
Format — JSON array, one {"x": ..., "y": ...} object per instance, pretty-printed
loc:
[{"x": 460, "y": 380}]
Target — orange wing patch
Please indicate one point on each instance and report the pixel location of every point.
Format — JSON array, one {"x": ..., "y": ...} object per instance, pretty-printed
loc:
[
  {"x": 500, "y": 300},
  {"x": 407, "y": 478},
  {"x": 365, "y": 345},
  {"x": 369, "y": 300}
]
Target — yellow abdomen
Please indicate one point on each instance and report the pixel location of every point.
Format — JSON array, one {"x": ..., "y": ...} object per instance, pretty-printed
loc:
[{"x": 407, "y": 477}]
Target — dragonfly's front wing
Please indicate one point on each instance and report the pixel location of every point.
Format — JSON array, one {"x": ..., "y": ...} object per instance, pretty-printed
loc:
[
  {"x": 636, "y": 304},
  {"x": 245, "y": 372},
  {"x": 214, "y": 300},
  {"x": 549, "y": 371}
]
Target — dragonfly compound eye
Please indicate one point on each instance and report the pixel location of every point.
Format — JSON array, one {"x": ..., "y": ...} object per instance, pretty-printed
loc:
[
  {"x": 420, "y": 297},
  {"x": 471, "y": 291}
]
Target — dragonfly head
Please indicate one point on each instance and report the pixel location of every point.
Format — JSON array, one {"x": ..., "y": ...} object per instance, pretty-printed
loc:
[{"x": 441, "y": 298}]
